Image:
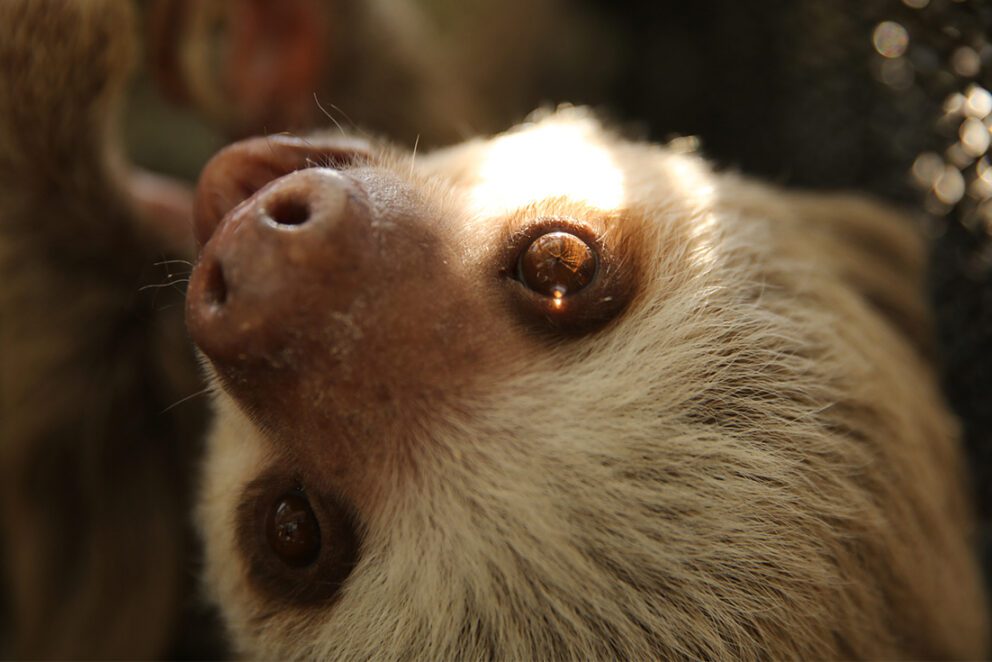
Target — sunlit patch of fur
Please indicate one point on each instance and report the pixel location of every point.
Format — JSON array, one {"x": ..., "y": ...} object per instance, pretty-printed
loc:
[{"x": 752, "y": 463}]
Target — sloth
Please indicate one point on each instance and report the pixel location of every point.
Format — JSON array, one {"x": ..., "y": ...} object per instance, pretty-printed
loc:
[
  {"x": 548, "y": 394},
  {"x": 554, "y": 394}
]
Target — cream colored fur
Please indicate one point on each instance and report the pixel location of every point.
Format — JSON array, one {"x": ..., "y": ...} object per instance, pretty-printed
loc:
[{"x": 753, "y": 462}]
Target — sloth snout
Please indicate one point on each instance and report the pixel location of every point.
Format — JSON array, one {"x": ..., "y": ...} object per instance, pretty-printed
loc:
[{"x": 273, "y": 261}]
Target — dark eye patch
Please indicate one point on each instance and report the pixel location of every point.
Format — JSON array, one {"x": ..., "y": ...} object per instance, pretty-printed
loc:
[{"x": 299, "y": 546}]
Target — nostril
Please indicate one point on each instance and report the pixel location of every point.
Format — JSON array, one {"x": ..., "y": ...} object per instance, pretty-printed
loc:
[
  {"x": 289, "y": 211},
  {"x": 215, "y": 286}
]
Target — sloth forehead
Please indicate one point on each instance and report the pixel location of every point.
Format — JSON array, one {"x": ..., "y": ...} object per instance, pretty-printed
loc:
[
  {"x": 569, "y": 157},
  {"x": 552, "y": 160}
]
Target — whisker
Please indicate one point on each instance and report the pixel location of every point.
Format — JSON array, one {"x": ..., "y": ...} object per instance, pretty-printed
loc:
[
  {"x": 164, "y": 262},
  {"x": 329, "y": 116},
  {"x": 169, "y": 273},
  {"x": 413, "y": 157},
  {"x": 156, "y": 286},
  {"x": 202, "y": 391},
  {"x": 350, "y": 121}
]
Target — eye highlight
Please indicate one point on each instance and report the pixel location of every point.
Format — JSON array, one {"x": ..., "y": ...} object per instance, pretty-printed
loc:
[{"x": 557, "y": 264}]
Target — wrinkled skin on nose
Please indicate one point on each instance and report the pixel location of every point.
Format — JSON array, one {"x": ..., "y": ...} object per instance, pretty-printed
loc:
[{"x": 327, "y": 300}]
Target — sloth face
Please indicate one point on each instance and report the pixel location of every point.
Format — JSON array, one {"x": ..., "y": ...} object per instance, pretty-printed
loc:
[{"x": 556, "y": 394}]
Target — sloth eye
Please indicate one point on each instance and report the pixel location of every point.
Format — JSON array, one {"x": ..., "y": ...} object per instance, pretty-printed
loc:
[
  {"x": 300, "y": 545},
  {"x": 292, "y": 530},
  {"x": 562, "y": 276},
  {"x": 557, "y": 264}
]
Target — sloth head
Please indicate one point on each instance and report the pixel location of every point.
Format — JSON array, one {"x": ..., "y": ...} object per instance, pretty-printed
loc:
[{"x": 557, "y": 394}]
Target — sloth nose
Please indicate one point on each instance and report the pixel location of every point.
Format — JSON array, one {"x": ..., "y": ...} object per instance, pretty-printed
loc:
[
  {"x": 242, "y": 168},
  {"x": 298, "y": 201},
  {"x": 288, "y": 252}
]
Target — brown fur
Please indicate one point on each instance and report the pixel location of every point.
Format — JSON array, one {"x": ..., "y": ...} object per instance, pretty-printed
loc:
[
  {"x": 751, "y": 461},
  {"x": 94, "y": 476}
]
